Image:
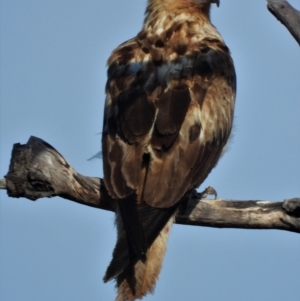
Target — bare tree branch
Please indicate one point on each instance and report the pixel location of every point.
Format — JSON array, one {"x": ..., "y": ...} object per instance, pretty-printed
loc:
[
  {"x": 37, "y": 170},
  {"x": 2, "y": 183},
  {"x": 222, "y": 213},
  {"x": 287, "y": 15}
]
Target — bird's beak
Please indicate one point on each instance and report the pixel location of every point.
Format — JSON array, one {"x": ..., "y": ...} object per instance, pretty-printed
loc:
[
  {"x": 217, "y": 2},
  {"x": 210, "y": 1}
]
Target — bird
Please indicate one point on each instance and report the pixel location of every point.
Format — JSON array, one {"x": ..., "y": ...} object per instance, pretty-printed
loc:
[{"x": 168, "y": 115}]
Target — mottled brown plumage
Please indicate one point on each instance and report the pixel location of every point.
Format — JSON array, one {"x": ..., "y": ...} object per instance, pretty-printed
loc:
[{"x": 169, "y": 109}]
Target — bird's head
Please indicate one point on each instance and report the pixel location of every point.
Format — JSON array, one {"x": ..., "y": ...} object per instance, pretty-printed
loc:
[
  {"x": 163, "y": 3},
  {"x": 156, "y": 7}
]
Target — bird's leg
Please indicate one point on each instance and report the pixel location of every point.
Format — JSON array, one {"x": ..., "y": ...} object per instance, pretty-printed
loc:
[{"x": 207, "y": 191}]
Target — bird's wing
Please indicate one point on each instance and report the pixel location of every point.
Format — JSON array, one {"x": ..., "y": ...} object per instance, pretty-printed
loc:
[
  {"x": 167, "y": 119},
  {"x": 168, "y": 115}
]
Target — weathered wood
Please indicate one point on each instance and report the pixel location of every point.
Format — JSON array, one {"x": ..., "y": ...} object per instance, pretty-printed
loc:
[
  {"x": 240, "y": 214},
  {"x": 287, "y": 15},
  {"x": 3, "y": 184},
  {"x": 37, "y": 170}
]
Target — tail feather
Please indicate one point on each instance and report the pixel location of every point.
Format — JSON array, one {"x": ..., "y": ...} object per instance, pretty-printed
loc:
[
  {"x": 136, "y": 275},
  {"x": 133, "y": 226},
  {"x": 140, "y": 278}
]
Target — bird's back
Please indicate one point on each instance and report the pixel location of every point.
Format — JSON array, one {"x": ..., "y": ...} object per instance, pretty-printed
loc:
[{"x": 169, "y": 110}]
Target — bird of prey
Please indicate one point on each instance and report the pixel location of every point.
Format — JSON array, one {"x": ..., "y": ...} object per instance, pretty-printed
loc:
[{"x": 169, "y": 109}]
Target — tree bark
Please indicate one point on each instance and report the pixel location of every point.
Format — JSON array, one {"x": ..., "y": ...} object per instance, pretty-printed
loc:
[
  {"x": 287, "y": 15},
  {"x": 38, "y": 170}
]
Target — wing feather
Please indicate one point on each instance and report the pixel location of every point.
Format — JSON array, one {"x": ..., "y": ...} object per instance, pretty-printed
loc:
[{"x": 166, "y": 111}]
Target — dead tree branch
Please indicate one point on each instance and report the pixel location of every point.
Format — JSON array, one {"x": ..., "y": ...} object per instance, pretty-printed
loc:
[
  {"x": 37, "y": 170},
  {"x": 287, "y": 15},
  {"x": 3, "y": 184}
]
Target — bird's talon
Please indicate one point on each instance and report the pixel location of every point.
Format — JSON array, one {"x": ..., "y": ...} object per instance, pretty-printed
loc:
[{"x": 208, "y": 191}]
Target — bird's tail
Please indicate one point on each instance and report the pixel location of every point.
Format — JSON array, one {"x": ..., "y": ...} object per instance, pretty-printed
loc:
[
  {"x": 136, "y": 275},
  {"x": 143, "y": 275}
]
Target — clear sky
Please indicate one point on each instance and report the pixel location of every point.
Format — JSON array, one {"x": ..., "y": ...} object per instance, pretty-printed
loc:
[{"x": 53, "y": 73}]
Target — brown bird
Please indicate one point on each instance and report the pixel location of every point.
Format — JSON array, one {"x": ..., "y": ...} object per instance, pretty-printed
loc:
[{"x": 169, "y": 109}]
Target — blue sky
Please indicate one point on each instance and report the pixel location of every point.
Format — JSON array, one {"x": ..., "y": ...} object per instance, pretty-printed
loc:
[{"x": 53, "y": 56}]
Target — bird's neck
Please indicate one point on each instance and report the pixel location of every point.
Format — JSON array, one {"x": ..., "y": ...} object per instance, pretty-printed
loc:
[
  {"x": 177, "y": 10},
  {"x": 181, "y": 19}
]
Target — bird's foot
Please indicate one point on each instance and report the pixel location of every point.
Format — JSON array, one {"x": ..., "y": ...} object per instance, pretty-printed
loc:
[{"x": 207, "y": 191}]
